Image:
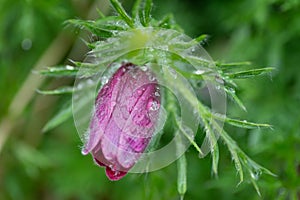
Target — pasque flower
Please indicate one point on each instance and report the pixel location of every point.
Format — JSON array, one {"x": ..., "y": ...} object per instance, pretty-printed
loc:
[{"x": 124, "y": 120}]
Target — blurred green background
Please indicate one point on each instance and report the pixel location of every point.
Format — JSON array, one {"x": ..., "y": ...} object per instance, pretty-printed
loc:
[{"x": 36, "y": 165}]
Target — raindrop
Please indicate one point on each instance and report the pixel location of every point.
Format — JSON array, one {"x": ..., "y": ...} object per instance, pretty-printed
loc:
[
  {"x": 232, "y": 90},
  {"x": 90, "y": 82},
  {"x": 199, "y": 72},
  {"x": 165, "y": 48},
  {"x": 113, "y": 103},
  {"x": 139, "y": 92},
  {"x": 69, "y": 67},
  {"x": 144, "y": 68},
  {"x": 114, "y": 32},
  {"x": 255, "y": 175},
  {"x": 104, "y": 80},
  {"x": 157, "y": 94},
  {"x": 219, "y": 79},
  {"x": 133, "y": 75},
  {"x": 26, "y": 44},
  {"x": 152, "y": 78},
  {"x": 151, "y": 49},
  {"x": 196, "y": 112},
  {"x": 79, "y": 86},
  {"x": 173, "y": 72},
  {"x": 153, "y": 105}
]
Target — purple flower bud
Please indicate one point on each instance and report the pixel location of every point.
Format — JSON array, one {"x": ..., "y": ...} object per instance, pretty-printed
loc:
[{"x": 125, "y": 118}]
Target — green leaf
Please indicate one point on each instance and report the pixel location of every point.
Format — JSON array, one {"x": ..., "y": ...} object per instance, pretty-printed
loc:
[
  {"x": 118, "y": 7},
  {"x": 240, "y": 123},
  {"x": 201, "y": 38},
  {"x": 62, "y": 115},
  {"x": 246, "y": 124},
  {"x": 92, "y": 27},
  {"x": 255, "y": 186},
  {"x": 187, "y": 135},
  {"x": 168, "y": 22},
  {"x": 215, "y": 159},
  {"x": 237, "y": 163},
  {"x": 249, "y": 73},
  {"x": 100, "y": 13},
  {"x": 234, "y": 64},
  {"x": 136, "y": 9},
  {"x": 59, "y": 71},
  {"x": 61, "y": 90},
  {"x": 142, "y": 17},
  {"x": 147, "y": 11},
  {"x": 236, "y": 99}
]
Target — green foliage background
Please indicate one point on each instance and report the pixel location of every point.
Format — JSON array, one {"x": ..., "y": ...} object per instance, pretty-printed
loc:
[{"x": 50, "y": 166}]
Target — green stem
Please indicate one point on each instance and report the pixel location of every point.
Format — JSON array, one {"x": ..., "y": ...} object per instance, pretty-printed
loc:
[{"x": 181, "y": 177}]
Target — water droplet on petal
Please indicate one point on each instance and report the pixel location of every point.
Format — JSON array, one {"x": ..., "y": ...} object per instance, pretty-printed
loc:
[
  {"x": 139, "y": 92},
  {"x": 152, "y": 78},
  {"x": 144, "y": 68},
  {"x": 113, "y": 103},
  {"x": 153, "y": 105}
]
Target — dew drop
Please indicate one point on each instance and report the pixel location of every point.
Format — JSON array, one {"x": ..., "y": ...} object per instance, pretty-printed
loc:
[
  {"x": 199, "y": 72},
  {"x": 80, "y": 86},
  {"x": 104, "y": 80},
  {"x": 152, "y": 78},
  {"x": 113, "y": 103},
  {"x": 219, "y": 79},
  {"x": 26, "y": 44},
  {"x": 139, "y": 92},
  {"x": 133, "y": 75},
  {"x": 144, "y": 68},
  {"x": 165, "y": 48},
  {"x": 151, "y": 49},
  {"x": 69, "y": 67},
  {"x": 255, "y": 175},
  {"x": 232, "y": 90},
  {"x": 173, "y": 72},
  {"x": 153, "y": 105},
  {"x": 90, "y": 82}
]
